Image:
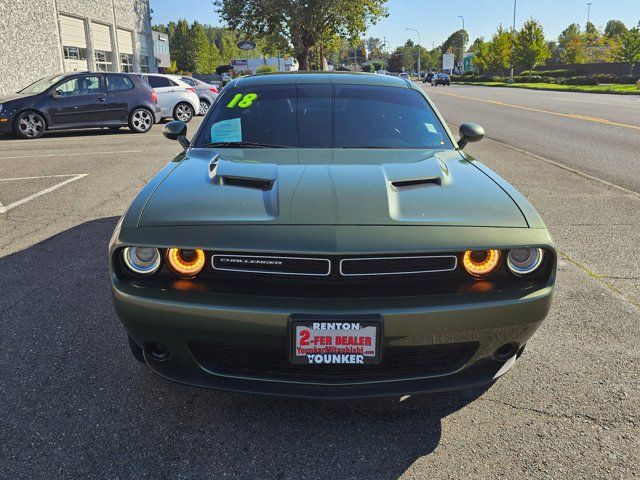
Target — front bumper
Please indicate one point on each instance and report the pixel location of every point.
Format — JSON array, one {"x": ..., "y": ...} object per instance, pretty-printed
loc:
[{"x": 176, "y": 318}]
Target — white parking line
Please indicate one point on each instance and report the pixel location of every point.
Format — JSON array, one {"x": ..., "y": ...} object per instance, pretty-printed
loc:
[
  {"x": 74, "y": 177},
  {"x": 72, "y": 154}
]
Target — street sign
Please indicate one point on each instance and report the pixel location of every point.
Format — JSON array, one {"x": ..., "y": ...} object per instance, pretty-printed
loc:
[
  {"x": 448, "y": 61},
  {"x": 246, "y": 45},
  {"x": 468, "y": 59}
]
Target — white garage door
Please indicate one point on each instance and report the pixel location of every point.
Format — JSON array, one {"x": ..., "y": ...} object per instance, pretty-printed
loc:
[
  {"x": 74, "y": 43},
  {"x": 101, "y": 37},
  {"x": 125, "y": 47}
]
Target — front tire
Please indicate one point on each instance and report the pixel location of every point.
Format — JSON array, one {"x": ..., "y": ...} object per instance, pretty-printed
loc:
[
  {"x": 204, "y": 107},
  {"x": 140, "y": 120},
  {"x": 183, "y": 112},
  {"x": 29, "y": 125}
]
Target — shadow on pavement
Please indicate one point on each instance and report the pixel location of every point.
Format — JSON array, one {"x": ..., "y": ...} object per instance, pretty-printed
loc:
[{"x": 74, "y": 403}]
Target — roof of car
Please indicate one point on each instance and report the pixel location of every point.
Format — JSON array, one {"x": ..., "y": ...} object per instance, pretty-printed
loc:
[{"x": 337, "y": 78}]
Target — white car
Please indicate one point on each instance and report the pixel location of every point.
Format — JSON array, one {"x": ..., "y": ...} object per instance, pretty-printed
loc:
[
  {"x": 404, "y": 75},
  {"x": 176, "y": 99}
]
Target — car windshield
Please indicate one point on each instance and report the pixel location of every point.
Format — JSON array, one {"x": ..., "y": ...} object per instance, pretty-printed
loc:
[
  {"x": 323, "y": 116},
  {"x": 41, "y": 85}
]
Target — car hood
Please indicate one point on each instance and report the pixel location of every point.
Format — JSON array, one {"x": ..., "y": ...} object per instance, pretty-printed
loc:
[
  {"x": 10, "y": 97},
  {"x": 329, "y": 187}
]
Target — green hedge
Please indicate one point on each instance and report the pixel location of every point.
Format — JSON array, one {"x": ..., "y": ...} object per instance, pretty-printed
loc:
[
  {"x": 619, "y": 79},
  {"x": 559, "y": 73}
]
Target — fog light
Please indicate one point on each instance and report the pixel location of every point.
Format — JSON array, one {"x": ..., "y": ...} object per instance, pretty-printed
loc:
[
  {"x": 184, "y": 262},
  {"x": 142, "y": 260},
  {"x": 157, "y": 351},
  {"x": 481, "y": 263},
  {"x": 524, "y": 261}
]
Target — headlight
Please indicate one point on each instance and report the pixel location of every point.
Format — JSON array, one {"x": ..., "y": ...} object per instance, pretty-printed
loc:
[
  {"x": 523, "y": 261},
  {"x": 480, "y": 263},
  {"x": 186, "y": 263},
  {"x": 142, "y": 260}
]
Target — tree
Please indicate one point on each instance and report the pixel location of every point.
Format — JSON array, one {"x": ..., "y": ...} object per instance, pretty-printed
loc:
[
  {"x": 499, "y": 51},
  {"x": 374, "y": 47},
  {"x": 395, "y": 63},
  {"x": 456, "y": 41},
  {"x": 628, "y": 49},
  {"x": 571, "y": 45},
  {"x": 302, "y": 23},
  {"x": 614, "y": 29},
  {"x": 203, "y": 55},
  {"x": 179, "y": 45},
  {"x": 480, "y": 50},
  {"x": 530, "y": 45}
]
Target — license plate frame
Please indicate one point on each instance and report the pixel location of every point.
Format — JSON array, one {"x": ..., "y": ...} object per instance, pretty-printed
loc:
[{"x": 351, "y": 351}]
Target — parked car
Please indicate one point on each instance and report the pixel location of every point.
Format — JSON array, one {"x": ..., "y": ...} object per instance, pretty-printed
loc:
[
  {"x": 428, "y": 77},
  {"x": 325, "y": 235},
  {"x": 404, "y": 75},
  {"x": 440, "y": 79},
  {"x": 207, "y": 93},
  {"x": 176, "y": 99},
  {"x": 79, "y": 100}
]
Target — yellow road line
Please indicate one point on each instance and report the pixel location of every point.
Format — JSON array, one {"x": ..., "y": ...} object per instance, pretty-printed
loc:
[{"x": 575, "y": 116}]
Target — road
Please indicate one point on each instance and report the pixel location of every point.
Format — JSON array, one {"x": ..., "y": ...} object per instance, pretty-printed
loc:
[
  {"x": 597, "y": 134},
  {"x": 75, "y": 404}
]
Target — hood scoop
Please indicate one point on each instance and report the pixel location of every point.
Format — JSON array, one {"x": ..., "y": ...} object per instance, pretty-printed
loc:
[
  {"x": 418, "y": 182},
  {"x": 257, "y": 176}
]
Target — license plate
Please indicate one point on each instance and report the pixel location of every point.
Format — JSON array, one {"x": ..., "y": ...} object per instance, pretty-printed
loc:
[{"x": 339, "y": 341}]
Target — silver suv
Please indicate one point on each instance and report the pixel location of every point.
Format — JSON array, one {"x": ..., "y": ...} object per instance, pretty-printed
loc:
[
  {"x": 206, "y": 92},
  {"x": 176, "y": 99}
]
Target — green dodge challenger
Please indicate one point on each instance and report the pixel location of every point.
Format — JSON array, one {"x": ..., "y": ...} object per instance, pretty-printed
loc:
[{"x": 324, "y": 235}]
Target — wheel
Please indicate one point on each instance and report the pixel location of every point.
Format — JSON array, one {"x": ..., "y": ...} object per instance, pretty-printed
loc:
[
  {"x": 29, "y": 124},
  {"x": 183, "y": 112},
  {"x": 204, "y": 107},
  {"x": 140, "y": 120},
  {"x": 136, "y": 350}
]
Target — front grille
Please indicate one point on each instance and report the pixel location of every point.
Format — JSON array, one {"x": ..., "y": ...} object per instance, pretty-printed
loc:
[
  {"x": 272, "y": 264},
  {"x": 270, "y": 362},
  {"x": 397, "y": 265}
]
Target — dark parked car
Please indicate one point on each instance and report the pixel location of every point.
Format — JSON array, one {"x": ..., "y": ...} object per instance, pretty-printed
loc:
[
  {"x": 428, "y": 77},
  {"x": 80, "y": 100},
  {"x": 440, "y": 79}
]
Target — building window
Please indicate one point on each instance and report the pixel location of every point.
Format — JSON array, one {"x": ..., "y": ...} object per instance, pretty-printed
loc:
[
  {"x": 144, "y": 64},
  {"x": 74, "y": 53},
  {"x": 126, "y": 62},
  {"x": 103, "y": 60}
]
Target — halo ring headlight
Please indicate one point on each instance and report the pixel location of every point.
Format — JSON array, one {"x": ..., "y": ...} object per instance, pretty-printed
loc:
[
  {"x": 524, "y": 261},
  {"x": 481, "y": 263},
  {"x": 142, "y": 260},
  {"x": 186, "y": 263}
]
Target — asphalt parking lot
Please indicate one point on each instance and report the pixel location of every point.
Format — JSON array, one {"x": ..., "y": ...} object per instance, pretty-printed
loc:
[{"x": 76, "y": 404}]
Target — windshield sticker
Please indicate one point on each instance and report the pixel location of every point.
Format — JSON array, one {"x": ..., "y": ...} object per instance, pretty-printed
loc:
[
  {"x": 227, "y": 131},
  {"x": 430, "y": 128},
  {"x": 242, "y": 101}
]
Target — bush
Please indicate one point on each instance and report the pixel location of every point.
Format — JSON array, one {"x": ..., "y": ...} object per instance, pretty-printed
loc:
[
  {"x": 638, "y": 84},
  {"x": 578, "y": 81},
  {"x": 266, "y": 69},
  {"x": 533, "y": 79},
  {"x": 559, "y": 73},
  {"x": 619, "y": 79},
  {"x": 343, "y": 69},
  {"x": 367, "y": 68},
  {"x": 467, "y": 74},
  {"x": 476, "y": 78}
]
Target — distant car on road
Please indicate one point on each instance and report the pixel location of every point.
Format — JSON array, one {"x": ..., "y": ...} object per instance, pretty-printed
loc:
[
  {"x": 176, "y": 99},
  {"x": 404, "y": 75},
  {"x": 206, "y": 92},
  {"x": 440, "y": 79},
  {"x": 428, "y": 77},
  {"x": 80, "y": 100}
]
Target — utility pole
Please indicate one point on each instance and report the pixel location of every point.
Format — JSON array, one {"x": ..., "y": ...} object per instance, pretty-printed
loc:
[
  {"x": 513, "y": 31},
  {"x": 463, "y": 42},
  {"x": 589, "y": 11},
  {"x": 419, "y": 48}
]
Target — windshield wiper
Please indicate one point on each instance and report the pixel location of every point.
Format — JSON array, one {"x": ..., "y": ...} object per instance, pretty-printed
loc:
[{"x": 242, "y": 145}]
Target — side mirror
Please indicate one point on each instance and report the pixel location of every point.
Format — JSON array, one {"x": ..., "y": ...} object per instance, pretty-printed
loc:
[
  {"x": 470, "y": 132},
  {"x": 176, "y": 130}
]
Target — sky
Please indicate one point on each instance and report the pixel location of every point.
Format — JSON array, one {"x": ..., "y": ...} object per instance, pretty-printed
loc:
[{"x": 436, "y": 20}]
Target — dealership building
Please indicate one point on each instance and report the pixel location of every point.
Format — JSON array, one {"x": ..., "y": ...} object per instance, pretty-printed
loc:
[{"x": 43, "y": 37}]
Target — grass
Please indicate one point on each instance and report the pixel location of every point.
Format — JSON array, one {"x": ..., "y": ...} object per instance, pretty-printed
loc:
[{"x": 611, "y": 88}]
